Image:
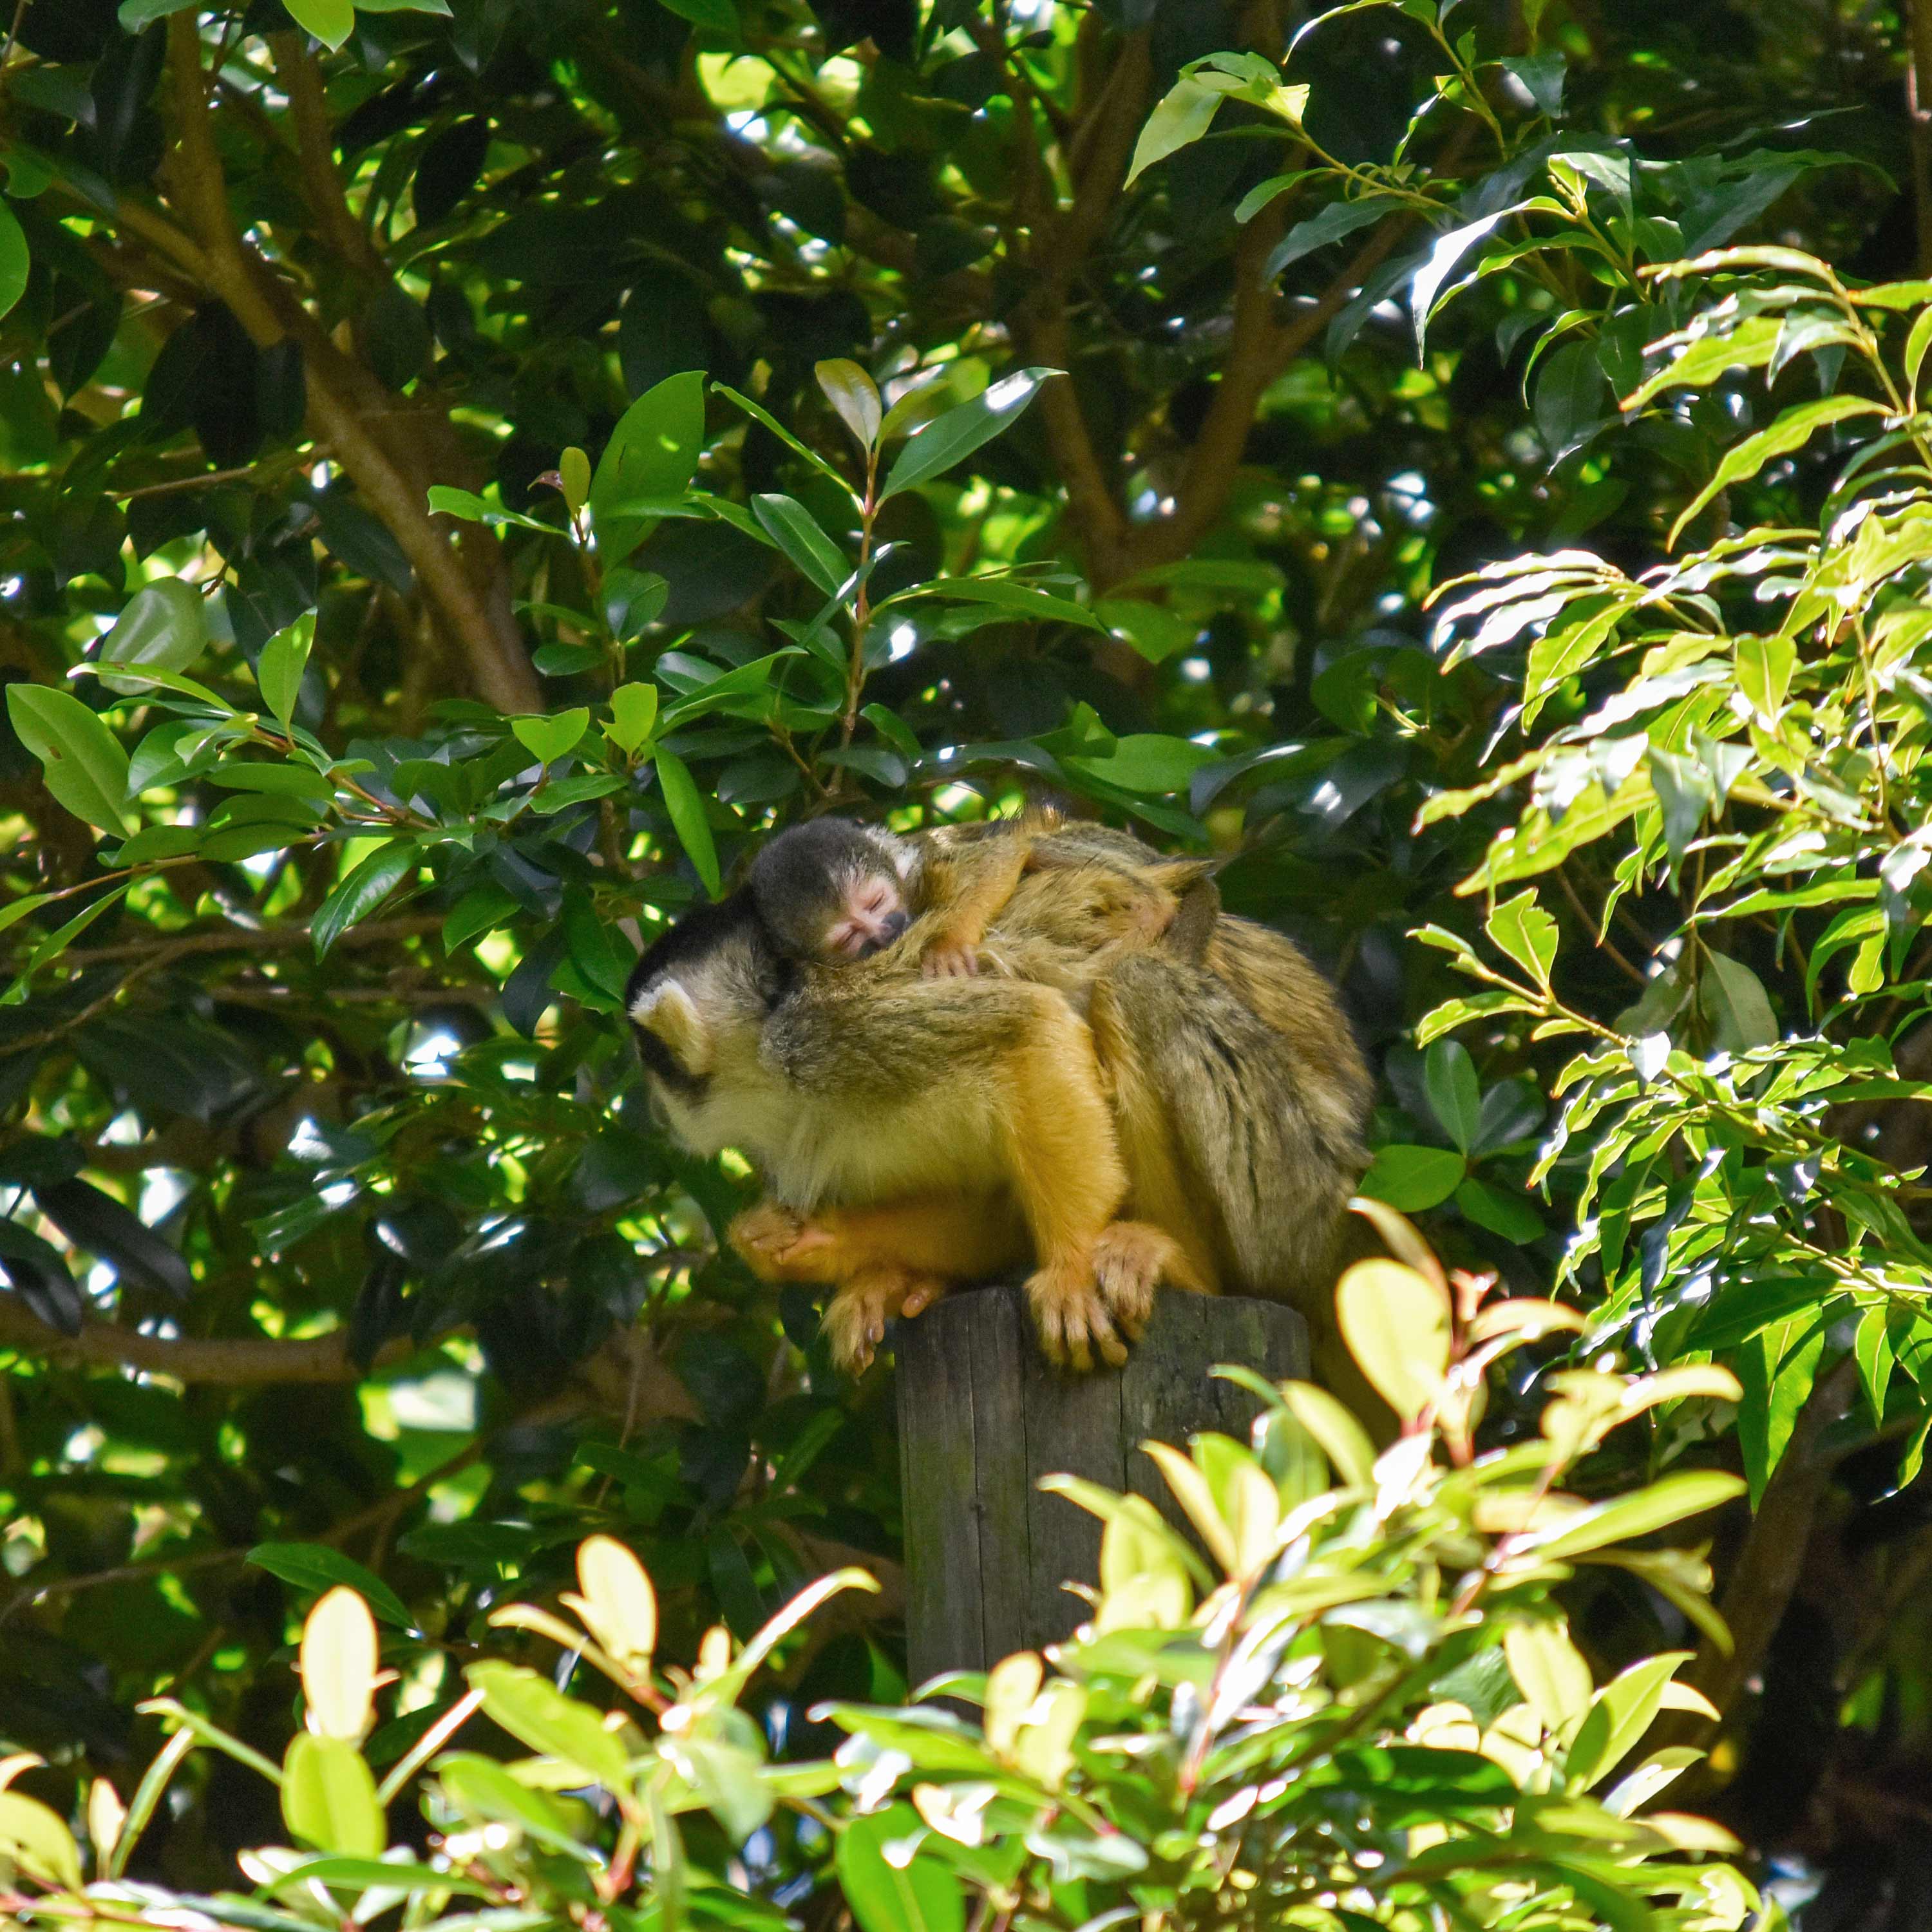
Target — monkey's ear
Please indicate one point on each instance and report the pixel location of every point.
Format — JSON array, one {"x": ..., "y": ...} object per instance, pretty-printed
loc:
[{"x": 665, "y": 1010}]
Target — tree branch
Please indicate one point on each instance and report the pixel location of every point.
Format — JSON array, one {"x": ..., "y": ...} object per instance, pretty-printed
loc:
[
  {"x": 1918, "y": 108},
  {"x": 1767, "y": 1567},
  {"x": 1099, "y": 156},
  {"x": 390, "y": 469},
  {"x": 628, "y": 1361},
  {"x": 1259, "y": 350},
  {"x": 301, "y": 75}
]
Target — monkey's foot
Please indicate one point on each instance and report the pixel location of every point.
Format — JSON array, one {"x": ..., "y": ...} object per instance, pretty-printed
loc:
[
  {"x": 779, "y": 1244},
  {"x": 1131, "y": 1260},
  {"x": 1074, "y": 1318},
  {"x": 856, "y": 1318}
]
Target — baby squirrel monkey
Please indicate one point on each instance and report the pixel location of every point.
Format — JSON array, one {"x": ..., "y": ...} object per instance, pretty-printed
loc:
[{"x": 831, "y": 890}]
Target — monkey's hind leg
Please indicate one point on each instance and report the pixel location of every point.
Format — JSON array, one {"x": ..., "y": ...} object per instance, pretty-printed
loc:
[
  {"x": 958, "y": 1238},
  {"x": 1067, "y": 1175}
]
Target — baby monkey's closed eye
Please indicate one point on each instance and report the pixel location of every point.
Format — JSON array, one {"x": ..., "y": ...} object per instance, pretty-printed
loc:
[{"x": 872, "y": 915}]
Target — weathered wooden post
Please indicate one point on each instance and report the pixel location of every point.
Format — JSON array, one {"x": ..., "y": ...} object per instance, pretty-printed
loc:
[{"x": 982, "y": 1417}]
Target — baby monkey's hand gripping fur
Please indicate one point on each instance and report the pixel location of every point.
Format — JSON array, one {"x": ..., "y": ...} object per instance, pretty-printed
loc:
[{"x": 953, "y": 1126}]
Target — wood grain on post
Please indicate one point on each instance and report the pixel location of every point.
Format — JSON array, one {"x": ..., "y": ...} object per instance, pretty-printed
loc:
[{"x": 982, "y": 1417}]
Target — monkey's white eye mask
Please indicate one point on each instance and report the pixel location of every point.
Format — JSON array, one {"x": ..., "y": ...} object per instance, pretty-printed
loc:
[{"x": 665, "y": 1010}]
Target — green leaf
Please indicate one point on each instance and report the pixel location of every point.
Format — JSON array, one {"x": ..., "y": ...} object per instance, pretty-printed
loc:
[
  {"x": 480, "y": 1787},
  {"x": 547, "y": 740},
  {"x": 687, "y": 815},
  {"x": 164, "y": 625},
  {"x": 278, "y": 670},
  {"x": 329, "y": 1797},
  {"x": 653, "y": 453},
  {"x": 718, "y": 16},
  {"x": 57, "y": 941},
  {"x": 1010, "y": 593},
  {"x": 1777, "y": 1366},
  {"x": 82, "y": 762},
  {"x": 954, "y": 436},
  {"x": 20, "y": 908},
  {"x": 1182, "y": 115},
  {"x": 891, "y": 1893},
  {"x": 855, "y": 396},
  {"x": 1625, "y": 1708},
  {"x": 364, "y": 889},
  {"x": 1523, "y": 929},
  {"x": 1455, "y": 1095},
  {"x": 1412, "y": 1178},
  {"x": 533, "y": 1710},
  {"x": 1148, "y": 762},
  {"x": 1550, "y": 1672},
  {"x": 317, "y": 1568},
  {"x": 1396, "y": 1324},
  {"x": 1338, "y": 219},
  {"x": 38, "y": 1838},
  {"x": 1732, "y": 999},
  {"x": 1156, "y": 631},
  {"x": 633, "y": 712},
  {"x": 573, "y": 472},
  {"x": 135, "y": 14},
  {"x": 1444, "y": 254},
  {"x": 1765, "y": 665},
  {"x": 14, "y": 263},
  {"x": 1712, "y": 357},
  {"x": 1872, "y": 1347},
  {"x": 1792, "y": 431},
  {"x": 480, "y": 910},
  {"x": 386, "y": 1875},
  {"x": 594, "y": 949},
  {"x": 1515, "y": 1220},
  {"x": 1916, "y": 344},
  {"x": 331, "y": 22},
  {"x": 805, "y": 546},
  {"x": 1669, "y": 1500},
  {"x": 760, "y": 414}
]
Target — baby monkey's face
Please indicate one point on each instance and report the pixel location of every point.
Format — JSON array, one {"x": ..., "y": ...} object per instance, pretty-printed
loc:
[
  {"x": 830, "y": 890},
  {"x": 869, "y": 914}
]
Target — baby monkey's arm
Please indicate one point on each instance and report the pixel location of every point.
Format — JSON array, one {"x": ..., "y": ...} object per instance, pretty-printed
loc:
[{"x": 964, "y": 886}]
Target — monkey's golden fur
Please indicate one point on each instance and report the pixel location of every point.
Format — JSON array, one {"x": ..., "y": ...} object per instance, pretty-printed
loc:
[{"x": 1233, "y": 1091}]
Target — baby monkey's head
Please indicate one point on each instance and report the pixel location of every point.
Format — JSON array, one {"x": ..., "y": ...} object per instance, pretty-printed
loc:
[{"x": 832, "y": 889}]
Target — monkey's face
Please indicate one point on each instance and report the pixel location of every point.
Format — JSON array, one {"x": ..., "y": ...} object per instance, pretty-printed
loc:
[
  {"x": 830, "y": 889},
  {"x": 868, "y": 913}
]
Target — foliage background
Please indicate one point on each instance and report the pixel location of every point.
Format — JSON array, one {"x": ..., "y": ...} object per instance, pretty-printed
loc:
[{"x": 403, "y": 1269}]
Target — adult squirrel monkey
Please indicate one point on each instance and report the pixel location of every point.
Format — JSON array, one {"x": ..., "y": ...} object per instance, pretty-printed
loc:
[
  {"x": 1217, "y": 1088},
  {"x": 947, "y": 1127}
]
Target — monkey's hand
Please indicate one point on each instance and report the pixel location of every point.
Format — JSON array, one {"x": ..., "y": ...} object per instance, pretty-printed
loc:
[
  {"x": 856, "y": 1318},
  {"x": 779, "y": 1244},
  {"x": 948, "y": 954}
]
